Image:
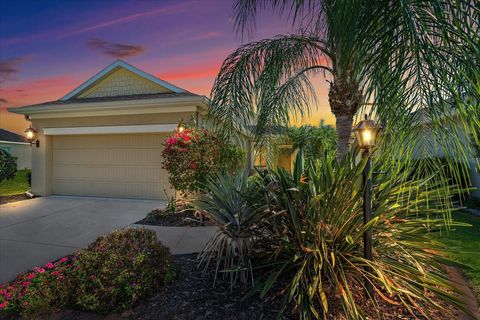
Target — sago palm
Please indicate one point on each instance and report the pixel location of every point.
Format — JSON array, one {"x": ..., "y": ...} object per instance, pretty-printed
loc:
[{"x": 394, "y": 56}]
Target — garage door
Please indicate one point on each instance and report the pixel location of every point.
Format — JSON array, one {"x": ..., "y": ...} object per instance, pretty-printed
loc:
[{"x": 126, "y": 166}]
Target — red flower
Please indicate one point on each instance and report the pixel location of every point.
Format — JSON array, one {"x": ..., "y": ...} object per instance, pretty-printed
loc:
[
  {"x": 192, "y": 165},
  {"x": 31, "y": 276}
]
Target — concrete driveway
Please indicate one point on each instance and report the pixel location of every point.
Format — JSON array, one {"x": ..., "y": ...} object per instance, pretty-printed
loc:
[{"x": 34, "y": 232}]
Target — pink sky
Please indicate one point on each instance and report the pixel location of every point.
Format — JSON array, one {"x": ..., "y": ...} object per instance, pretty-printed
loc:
[{"x": 46, "y": 51}]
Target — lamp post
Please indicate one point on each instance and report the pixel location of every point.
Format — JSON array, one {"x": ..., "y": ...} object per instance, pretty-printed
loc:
[
  {"x": 366, "y": 132},
  {"x": 31, "y": 135}
]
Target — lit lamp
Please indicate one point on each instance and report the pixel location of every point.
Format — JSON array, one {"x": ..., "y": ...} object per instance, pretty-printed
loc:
[
  {"x": 367, "y": 132},
  {"x": 31, "y": 135},
  {"x": 181, "y": 126}
]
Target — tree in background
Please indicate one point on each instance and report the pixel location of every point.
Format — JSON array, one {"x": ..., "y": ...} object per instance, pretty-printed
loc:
[
  {"x": 8, "y": 166},
  {"x": 313, "y": 141}
]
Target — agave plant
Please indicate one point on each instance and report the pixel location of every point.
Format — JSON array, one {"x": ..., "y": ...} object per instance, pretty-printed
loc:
[
  {"x": 319, "y": 247},
  {"x": 227, "y": 202}
]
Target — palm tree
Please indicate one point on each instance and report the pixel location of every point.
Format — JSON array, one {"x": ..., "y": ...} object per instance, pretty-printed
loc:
[{"x": 395, "y": 56}]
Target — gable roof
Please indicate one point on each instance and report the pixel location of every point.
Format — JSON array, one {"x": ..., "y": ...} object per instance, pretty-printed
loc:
[
  {"x": 110, "y": 69},
  {"x": 9, "y": 136}
]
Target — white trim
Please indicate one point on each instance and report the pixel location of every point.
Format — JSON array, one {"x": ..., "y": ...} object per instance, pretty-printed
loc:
[
  {"x": 12, "y": 142},
  {"x": 120, "y": 64},
  {"x": 155, "y": 128}
]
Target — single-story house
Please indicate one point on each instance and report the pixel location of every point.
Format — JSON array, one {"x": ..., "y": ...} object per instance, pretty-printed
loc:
[
  {"x": 105, "y": 137},
  {"x": 17, "y": 146}
]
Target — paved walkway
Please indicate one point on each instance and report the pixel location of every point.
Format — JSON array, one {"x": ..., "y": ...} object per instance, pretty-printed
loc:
[{"x": 183, "y": 240}]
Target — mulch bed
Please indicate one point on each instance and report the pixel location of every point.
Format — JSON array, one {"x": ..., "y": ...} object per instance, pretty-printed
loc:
[
  {"x": 182, "y": 218},
  {"x": 192, "y": 296},
  {"x": 17, "y": 197}
]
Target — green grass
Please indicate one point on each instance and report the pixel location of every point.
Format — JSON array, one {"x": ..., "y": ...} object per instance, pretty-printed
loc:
[
  {"x": 465, "y": 245},
  {"x": 17, "y": 185}
]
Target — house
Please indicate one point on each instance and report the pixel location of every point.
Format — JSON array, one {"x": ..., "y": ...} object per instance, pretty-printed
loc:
[
  {"x": 17, "y": 146},
  {"x": 428, "y": 145},
  {"x": 105, "y": 137}
]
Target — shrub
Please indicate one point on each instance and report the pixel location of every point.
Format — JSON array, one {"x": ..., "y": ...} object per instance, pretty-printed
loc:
[
  {"x": 119, "y": 269},
  {"x": 40, "y": 290},
  {"x": 191, "y": 155},
  {"x": 8, "y": 166},
  {"x": 112, "y": 274},
  {"x": 226, "y": 202},
  {"x": 317, "y": 233}
]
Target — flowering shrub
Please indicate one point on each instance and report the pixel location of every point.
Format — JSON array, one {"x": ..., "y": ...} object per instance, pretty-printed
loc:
[
  {"x": 39, "y": 290},
  {"x": 118, "y": 269},
  {"x": 191, "y": 155},
  {"x": 112, "y": 274}
]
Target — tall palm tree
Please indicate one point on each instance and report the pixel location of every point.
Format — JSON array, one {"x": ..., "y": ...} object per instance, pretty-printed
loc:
[{"x": 399, "y": 56}]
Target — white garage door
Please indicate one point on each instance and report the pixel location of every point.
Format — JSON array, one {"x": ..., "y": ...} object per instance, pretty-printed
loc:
[{"x": 121, "y": 165}]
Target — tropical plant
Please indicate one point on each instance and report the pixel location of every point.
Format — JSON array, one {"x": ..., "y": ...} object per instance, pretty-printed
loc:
[
  {"x": 227, "y": 202},
  {"x": 394, "y": 56},
  {"x": 8, "y": 166},
  {"x": 313, "y": 141},
  {"x": 317, "y": 230},
  {"x": 191, "y": 155}
]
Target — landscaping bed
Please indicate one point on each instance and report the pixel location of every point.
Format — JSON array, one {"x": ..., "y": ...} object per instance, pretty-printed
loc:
[
  {"x": 13, "y": 198},
  {"x": 177, "y": 218}
]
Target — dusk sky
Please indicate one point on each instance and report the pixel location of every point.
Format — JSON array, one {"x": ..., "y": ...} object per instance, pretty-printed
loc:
[{"x": 47, "y": 48}]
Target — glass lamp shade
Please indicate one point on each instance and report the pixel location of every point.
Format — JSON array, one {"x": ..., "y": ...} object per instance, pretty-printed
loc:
[
  {"x": 31, "y": 134},
  {"x": 366, "y": 132},
  {"x": 181, "y": 126}
]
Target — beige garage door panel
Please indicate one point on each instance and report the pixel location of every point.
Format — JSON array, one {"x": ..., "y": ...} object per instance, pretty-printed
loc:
[{"x": 110, "y": 166}]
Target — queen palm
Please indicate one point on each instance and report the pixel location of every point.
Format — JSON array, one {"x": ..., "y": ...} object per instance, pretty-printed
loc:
[{"x": 399, "y": 56}]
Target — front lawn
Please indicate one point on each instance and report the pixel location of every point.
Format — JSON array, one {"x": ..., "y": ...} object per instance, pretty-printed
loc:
[
  {"x": 465, "y": 242},
  {"x": 17, "y": 185}
]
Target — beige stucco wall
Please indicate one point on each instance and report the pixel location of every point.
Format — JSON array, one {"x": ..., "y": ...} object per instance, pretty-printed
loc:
[
  {"x": 42, "y": 156},
  {"x": 22, "y": 152}
]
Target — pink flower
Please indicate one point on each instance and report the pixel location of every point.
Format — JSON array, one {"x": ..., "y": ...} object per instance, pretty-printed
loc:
[
  {"x": 56, "y": 273},
  {"x": 41, "y": 270},
  {"x": 3, "y": 304},
  {"x": 49, "y": 265},
  {"x": 31, "y": 276},
  {"x": 63, "y": 259},
  {"x": 26, "y": 283},
  {"x": 192, "y": 165},
  {"x": 3, "y": 292}
]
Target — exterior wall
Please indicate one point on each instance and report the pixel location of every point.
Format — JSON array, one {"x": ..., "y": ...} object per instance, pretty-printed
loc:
[
  {"x": 23, "y": 153},
  {"x": 120, "y": 83},
  {"x": 428, "y": 147},
  {"x": 42, "y": 156}
]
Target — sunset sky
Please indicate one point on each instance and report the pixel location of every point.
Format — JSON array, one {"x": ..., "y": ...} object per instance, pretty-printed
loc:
[{"x": 47, "y": 48}]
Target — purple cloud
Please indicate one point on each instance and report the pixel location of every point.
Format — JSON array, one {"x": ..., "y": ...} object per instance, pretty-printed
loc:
[
  {"x": 117, "y": 50},
  {"x": 9, "y": 67}
]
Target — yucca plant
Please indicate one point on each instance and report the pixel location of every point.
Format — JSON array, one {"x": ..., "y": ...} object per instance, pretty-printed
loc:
[
  {"x": 317, "y": 230},
  {"x": 227, "y": 202}
]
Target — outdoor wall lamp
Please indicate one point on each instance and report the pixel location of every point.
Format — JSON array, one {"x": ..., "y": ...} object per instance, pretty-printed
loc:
[
  {"x": 31, "y": 135},
  {"x": 366, "y": 132},
  {"x": 181, "y": 126}
]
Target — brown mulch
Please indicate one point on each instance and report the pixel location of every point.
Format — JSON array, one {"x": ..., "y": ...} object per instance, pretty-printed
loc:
[
  {"x": 14, "y": 198},
  {"x": 180, "y": 218}
]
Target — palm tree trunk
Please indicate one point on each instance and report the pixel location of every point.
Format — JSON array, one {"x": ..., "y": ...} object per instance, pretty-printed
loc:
[
  {"x": 344, "y": 133},
  {"x": 345, "y": 99}
]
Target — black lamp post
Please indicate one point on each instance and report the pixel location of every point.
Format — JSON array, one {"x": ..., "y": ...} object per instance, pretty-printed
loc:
[
  {"x": 31, "y": 135},
  {"x": 366, "y": 132}
]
